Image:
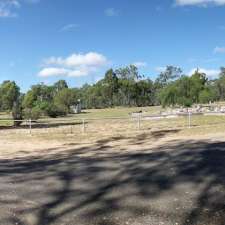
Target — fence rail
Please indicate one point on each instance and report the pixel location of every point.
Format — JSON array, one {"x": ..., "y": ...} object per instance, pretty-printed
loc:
[{"x": 120, "y": 124}]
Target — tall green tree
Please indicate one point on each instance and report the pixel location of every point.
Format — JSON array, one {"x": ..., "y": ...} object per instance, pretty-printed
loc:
[
  {"x": 198, "y": 82},
  {"x": 110, "y": 86},
  {"x": 9, "y": 94},
  {"x": 128, "y": 73},
  {"x": 64, "y": 99},
  {"x": 171, "y": 73},
  {"x": 10, "y": 100},
  {"x": 220, "y": 84},
  {"x": 60, "y": 85}
]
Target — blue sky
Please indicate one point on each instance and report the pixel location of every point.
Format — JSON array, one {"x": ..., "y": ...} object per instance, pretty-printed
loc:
[{"x": 78, "y": 40}]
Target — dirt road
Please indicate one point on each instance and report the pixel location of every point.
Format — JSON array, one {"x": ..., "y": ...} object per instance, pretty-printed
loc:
[{"x": 146, "y": 180}]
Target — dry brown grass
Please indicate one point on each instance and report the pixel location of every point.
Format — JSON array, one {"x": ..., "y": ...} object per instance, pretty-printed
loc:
[{"x": 17, "y": 142}]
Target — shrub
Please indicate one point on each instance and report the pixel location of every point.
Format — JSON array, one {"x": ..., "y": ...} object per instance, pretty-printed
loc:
[
  {"x": 54, "y": 111},
  {"x": 33, "y": 113}
]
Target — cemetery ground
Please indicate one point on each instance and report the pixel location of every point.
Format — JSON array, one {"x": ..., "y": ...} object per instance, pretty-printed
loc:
[{"x": 114, "y": 173}]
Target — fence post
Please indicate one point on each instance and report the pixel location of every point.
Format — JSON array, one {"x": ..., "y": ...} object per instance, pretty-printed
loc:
[
  {"x": 30, "y": 125},
  {"x": 83, "y": 125}
]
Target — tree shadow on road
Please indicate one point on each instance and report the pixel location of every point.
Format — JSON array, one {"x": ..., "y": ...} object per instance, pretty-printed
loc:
[{"x": 78, "y": 187}]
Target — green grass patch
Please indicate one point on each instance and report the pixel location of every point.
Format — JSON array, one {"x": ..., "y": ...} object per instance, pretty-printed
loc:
[
  {"x": 115, "y": 112},
  {"x": 4, "y": 123}
]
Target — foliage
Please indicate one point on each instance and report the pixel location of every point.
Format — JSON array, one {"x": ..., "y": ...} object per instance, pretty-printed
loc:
[
  {"x": 120, "y": 87},
  {"x": 9, "y": 95},
  {"x": 206, "y": 96},
  {"x": 50, "y": 101},
  {"x": 186, "y": 91},
  {"x": 171, "y": 73},
  {"x": 10, "y": 100},
  {"x": 33, "y": 113}
]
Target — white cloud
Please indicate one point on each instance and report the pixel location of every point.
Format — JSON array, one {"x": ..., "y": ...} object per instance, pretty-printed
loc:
[
  {"x": 199, "y": 2},
  {"x": 160, "y": 69},
  {"x": 219, "y": 49},
  {"x": 7, "y": 7},
  {"x": 52, "y": 71},
  {"x": 140, "y": 64},
  {"x": 75, "y": 65},
  {"x": 89, "y": 59},
  {"x": 211, "y": 73},
  {"x": 55, "y": 71},
  {"x": 69, "y": 27},
  {"x": 111, "y": 12}
]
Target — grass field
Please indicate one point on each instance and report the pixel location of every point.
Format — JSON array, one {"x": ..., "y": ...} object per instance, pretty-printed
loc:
[
  {"x": 117, "y": 112},
  {"x": 104, "y": 113},
  {"x": 114, "y": 121}
]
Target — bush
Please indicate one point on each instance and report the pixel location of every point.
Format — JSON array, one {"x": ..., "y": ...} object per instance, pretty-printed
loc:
[
  {"x": 186, "y": 102},
  {"x": 205, "y": 96},
  {"x": 54, "y": 111},
  {"x": 33, "y": 113}
]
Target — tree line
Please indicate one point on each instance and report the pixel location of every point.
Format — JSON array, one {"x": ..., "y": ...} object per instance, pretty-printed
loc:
[{"x": 121, "y": 87}]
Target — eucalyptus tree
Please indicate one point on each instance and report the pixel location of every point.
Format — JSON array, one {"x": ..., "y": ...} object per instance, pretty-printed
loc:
[{"x": 10, "y": 100}]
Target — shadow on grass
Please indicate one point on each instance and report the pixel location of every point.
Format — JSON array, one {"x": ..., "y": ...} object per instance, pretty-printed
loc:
[
  {"x": 78, "y": 187},
  {"x": 40, "y": 125},
  {"x": 140, "y": 138}
]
